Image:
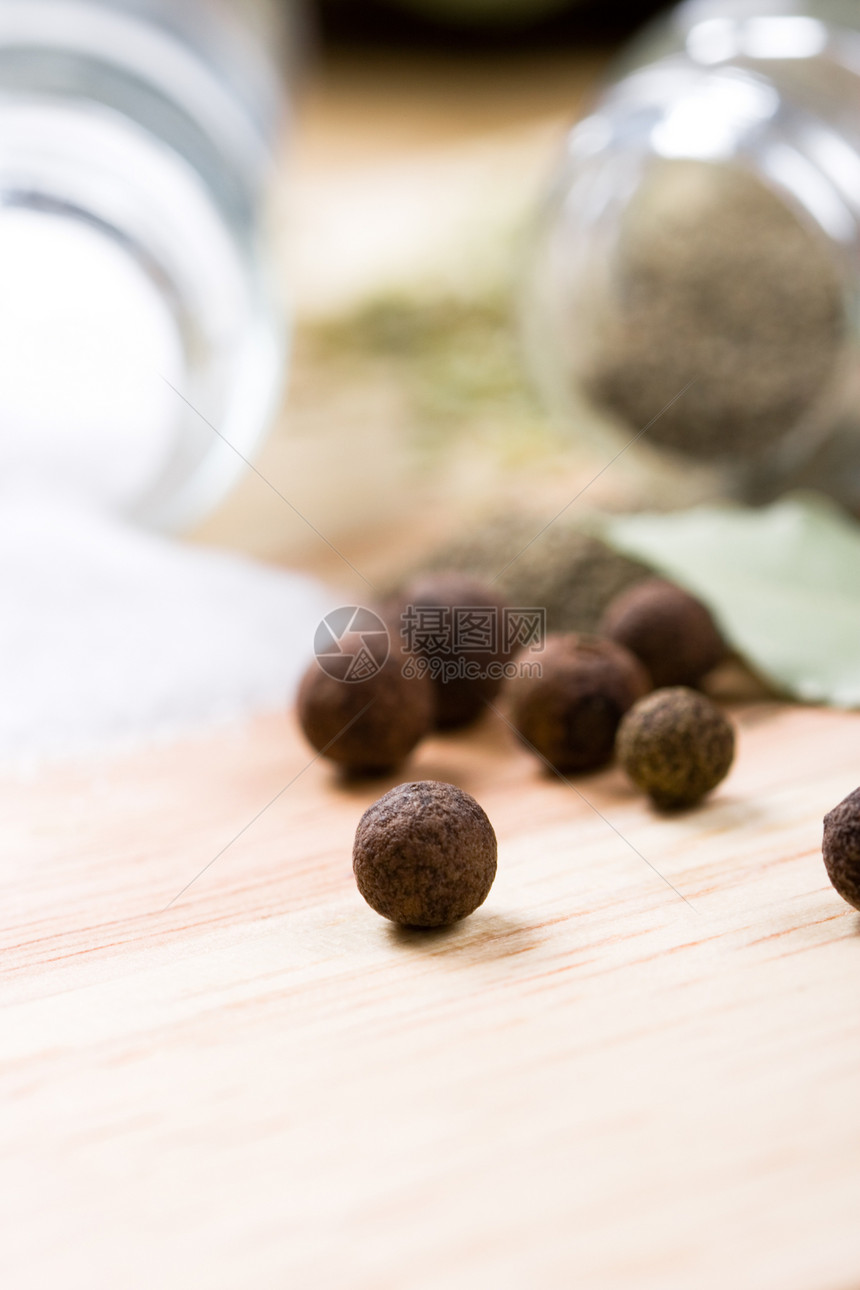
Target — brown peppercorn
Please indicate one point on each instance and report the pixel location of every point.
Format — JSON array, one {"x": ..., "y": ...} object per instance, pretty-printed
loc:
[
  {"x": 424, "y": 855},
  {"x": 367, "y": 726},
  {"x": 669, "y": 630},
  {"x": 842, "y": 847},
  {"x": 569, "y": 714},
  {"x": 431, "y": 613},
  {"x": 676, "y": 745}
]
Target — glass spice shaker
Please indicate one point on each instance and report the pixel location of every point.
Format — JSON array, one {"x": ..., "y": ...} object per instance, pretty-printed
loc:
[
  {"x": 135, "y": 142},
  {"x": 694, "y": 280}
]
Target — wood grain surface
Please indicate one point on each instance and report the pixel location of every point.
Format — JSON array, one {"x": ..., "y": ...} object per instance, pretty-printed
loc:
[{"x": 590, "y": 1082}]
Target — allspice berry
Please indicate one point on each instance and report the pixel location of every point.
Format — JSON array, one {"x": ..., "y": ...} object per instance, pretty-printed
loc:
[
  {"x": 453, "y": 625},
  {"x": 425, "y": 855},
  {"x": 367, "y": 726},
  {"x": 569, "y": 713},
  {"x": 676, "y": 745},
  {"x": 671, "y": 632},
  {"x": 842, "y": 848}
]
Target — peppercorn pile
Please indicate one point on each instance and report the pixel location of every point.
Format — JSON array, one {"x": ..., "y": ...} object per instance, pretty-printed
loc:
[{"x": 425, "y": 853}]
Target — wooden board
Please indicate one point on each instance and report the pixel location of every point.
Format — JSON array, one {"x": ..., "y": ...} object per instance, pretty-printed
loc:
[{"x": 590, "y": 1082}]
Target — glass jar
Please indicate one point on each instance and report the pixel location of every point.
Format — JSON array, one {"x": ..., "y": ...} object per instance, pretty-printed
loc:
[
  {"x": 695, "y": 277},
  {"x": 143, "y": 351}
]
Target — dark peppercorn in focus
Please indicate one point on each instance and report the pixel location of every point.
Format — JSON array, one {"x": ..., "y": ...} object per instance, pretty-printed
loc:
[
  {"x": 570, "y": 713},
  {"x": 842, "y": 848},
  {"x": 365, "y": 726},
  {"x": 425, "y": 855},
  {"x": 676, "y": 745},
  {"x": 669, "y": 630},
  {"x": 443, "y": 599}
]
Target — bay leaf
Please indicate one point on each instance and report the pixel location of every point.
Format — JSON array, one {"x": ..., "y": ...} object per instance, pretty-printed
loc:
[{"x": 783, "y": 581}]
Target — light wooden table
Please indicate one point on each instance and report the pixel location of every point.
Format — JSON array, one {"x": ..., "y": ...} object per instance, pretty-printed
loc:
[{"x": 590, "y": 1082}]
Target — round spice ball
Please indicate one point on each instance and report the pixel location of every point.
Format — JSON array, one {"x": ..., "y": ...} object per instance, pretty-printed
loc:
[
  {"x": 425, "y": 855},
  {"x": 367, "y": 726},
  {"x": 676, "y": 745},
  {"x": 669, "y": 630},
  {"x": 454, "y": 624},
  {"x": 569, "y": 713},
  {"x": 842, "y": 848}
]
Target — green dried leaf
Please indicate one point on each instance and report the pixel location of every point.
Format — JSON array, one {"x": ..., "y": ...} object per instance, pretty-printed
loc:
[{"x": 783, "y": 581}]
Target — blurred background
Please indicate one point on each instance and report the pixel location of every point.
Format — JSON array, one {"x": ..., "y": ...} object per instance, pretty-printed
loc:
[
  {"x": 263, "y": 263},
  {"x": 424, "y": 133},
  {"x": 480, "y": 23},
  {"x": 269, "y": 270}
]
